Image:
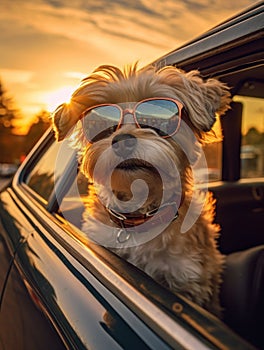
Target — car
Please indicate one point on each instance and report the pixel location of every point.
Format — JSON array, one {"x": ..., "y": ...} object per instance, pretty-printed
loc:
[
  {"x": 7, "y": 169},
  {"x": 60, "y": 291}
]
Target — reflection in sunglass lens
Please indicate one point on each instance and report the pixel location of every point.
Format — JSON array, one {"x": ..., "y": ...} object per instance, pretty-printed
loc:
[
  {"x": 101, "y": 122},
  {"x": 161, "y": 115}
]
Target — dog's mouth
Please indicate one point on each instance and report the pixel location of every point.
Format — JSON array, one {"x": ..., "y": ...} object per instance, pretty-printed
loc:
[{"x": 134, "y": 164}]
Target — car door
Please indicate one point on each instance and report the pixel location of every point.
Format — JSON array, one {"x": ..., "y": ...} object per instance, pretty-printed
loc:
[{"x": 52, "y": 297}]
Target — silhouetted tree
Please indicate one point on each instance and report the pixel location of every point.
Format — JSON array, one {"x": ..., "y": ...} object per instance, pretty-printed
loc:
[
  {"x": 14, "y": 147},
  {"x": 253, "y": 137},
  {"x": 10, "y": 144},
  {"x": 39, "y": 125},
  {"x": 8, "y": 113}
]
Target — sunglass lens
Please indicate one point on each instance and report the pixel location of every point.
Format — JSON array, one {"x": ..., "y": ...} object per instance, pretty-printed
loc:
[
  {"x": 160, "y": 115},
  {"x": 100, "y": 122}
]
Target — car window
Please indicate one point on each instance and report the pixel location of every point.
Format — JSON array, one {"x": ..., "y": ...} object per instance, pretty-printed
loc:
[
  {"x": 72, "y": 205},
  {"x": 47, "y": 170},
  {"x": 252, "y": 143},
  {"x": 213, "y": 154}
]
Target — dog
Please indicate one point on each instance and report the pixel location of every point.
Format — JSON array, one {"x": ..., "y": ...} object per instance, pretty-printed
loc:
[{"x": 139, "y": 133}]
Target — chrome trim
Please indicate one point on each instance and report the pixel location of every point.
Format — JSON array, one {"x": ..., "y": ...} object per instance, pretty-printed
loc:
[{"x": 117, "y": 215}]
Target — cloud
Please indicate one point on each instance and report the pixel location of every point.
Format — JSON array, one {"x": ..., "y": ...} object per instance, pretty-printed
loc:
[
  {"x": 153, "y": 23},
  {"x": 116, "y": 30},
  {"x": 16, "y": 76}
]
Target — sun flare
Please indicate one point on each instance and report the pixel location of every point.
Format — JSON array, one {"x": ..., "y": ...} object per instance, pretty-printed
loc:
[{"x": 55, "y": 98}]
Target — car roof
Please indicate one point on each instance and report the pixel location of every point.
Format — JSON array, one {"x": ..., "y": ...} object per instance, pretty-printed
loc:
[{"x": 242, "y": 29}]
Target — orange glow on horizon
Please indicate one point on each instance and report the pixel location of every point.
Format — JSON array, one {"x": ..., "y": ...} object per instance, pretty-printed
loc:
[
  {"x": 49, "y": 102},
  {"x": 56, "y": 97}
]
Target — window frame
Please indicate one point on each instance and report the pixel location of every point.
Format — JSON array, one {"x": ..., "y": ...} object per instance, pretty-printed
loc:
[{"x": 34, "y": 156}]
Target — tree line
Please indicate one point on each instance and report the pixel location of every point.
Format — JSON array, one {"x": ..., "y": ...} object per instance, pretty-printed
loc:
[{"x": 14, "y": 147}]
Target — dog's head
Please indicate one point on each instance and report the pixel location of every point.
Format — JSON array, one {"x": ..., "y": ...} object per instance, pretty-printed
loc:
[{"x": 159, "y": 118}]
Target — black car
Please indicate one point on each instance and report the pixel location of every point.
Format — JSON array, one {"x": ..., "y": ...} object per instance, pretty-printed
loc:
[{"x": 58, "y": 290}]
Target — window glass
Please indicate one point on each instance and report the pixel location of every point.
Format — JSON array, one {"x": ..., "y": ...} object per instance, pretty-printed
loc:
[
  {"x": 72, "y": 205},
  {"x": 41, "y": 178},
  {"x": 252, "y": 143},
  {"x": 213, "y": 154}
]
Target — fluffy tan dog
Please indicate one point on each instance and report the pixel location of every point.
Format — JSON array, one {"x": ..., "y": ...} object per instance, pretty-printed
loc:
[{"x": 140, "y": 134}]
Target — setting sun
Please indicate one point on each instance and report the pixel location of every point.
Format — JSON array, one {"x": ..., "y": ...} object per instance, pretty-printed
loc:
[{"x": 54, "y": 98}]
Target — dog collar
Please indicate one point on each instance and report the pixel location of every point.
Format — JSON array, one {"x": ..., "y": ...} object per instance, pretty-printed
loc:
[{"x": 161, "y": 215}]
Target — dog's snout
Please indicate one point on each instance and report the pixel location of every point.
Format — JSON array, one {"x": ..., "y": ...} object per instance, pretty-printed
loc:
[{"x": 124, "y": 144}]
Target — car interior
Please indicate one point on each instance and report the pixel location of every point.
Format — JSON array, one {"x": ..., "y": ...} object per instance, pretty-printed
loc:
[{"x": 240, "y": 204}]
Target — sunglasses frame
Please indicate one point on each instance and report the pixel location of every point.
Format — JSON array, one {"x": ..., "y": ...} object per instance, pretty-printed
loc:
[{"x": 132, "y": 111}]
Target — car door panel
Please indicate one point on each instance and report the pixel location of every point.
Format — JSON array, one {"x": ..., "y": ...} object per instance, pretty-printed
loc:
[{"x": 23, "y": 325}]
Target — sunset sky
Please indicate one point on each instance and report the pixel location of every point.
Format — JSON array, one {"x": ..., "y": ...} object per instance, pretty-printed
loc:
[{"x": 48, "y": 46}]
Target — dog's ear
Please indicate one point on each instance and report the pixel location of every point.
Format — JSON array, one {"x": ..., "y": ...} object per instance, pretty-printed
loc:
[
  {"x": 67, "y": 114},
  {"x": 201, "y": 99},
  {"x": 64, "y": 118},
  {"x": 204, "y": 99},
  {"x": 90, "y": 92}
]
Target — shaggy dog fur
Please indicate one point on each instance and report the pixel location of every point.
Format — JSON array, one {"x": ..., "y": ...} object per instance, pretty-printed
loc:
[{"x": 188, "y": 262}]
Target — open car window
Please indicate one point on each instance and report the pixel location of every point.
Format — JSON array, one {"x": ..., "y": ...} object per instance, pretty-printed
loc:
[
  {"x": 252, "y": 142},
  {"x": 73, "y": 203},
  {"x": 247, "y": 136}
]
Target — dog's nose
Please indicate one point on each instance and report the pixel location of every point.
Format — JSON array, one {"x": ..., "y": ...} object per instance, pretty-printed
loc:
[{"x": 123, "y": 144}]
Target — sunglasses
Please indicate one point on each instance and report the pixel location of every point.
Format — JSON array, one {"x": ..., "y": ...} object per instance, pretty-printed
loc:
[{"x": 160, "y": 114}]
